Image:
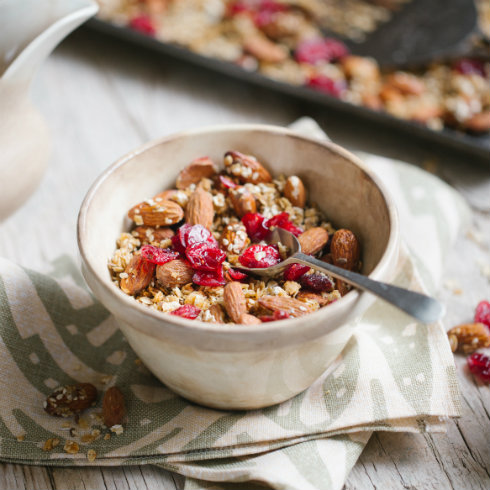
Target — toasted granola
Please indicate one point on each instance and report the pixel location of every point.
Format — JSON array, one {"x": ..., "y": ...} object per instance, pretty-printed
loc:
[{"x": 190, "y": 274}]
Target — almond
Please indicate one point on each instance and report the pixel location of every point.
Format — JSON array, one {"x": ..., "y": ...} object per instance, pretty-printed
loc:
[
  {"x": 342, "y": 287},
  {"x": 200, "y": 209},
  {"x": 360, "y": 67},
  {"x": 479, "y": 122},
  {"x": 243, "y": 201},
  {"x": 70, "y": 400},
  {"x": 217, "y": 313},
  {"x": 294, "y": 307},
  {"x": 234, "y": 300},
  {"x": 294, "y": 190},
  {"x": 234, "y": 238},
  {"x": 168, "y": 195},
  {"x": 198, "y": 169},
  {"x": 174, "y": 273},
  {"x": 327, "y": 258},
  {"x": 113, "y": 409},
  {"x": 308, "y": 296},
  {"x": 148, "y": 234},
  {"x": 246, "y": 168},
  {"x": 313, "y": 240},
  {"x": 469, "y": 337},
  {"x": 345, "y": 249},
  {"x": 406, "y": 83},
  {"x": 139, "y": 274},
  {"x": 247, "y": 319},
  {"x": 264, "y": 49},
  {"x": 153, "y": 213}
]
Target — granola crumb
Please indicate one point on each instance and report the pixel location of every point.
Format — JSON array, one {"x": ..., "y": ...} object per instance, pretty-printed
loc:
[
  {"x": 21, "y": 437},
  {"x": 91, "y": 455},
  {"x": 117, "y": 429},
  {"x": 107, "y": 437},
  {"x": 49, "y": 444},
  {"x": 71, "y": 447}
]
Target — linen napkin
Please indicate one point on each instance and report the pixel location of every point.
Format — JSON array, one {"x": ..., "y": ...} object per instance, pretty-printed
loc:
[{"x": 394, "y": 374}]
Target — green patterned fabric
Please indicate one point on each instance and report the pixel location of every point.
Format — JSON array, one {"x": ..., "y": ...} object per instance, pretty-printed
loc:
[{"x": 394, "y": 375}]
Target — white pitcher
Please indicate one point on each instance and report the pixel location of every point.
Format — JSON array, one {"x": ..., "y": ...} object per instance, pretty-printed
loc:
[{"x": 29, "y": 31}]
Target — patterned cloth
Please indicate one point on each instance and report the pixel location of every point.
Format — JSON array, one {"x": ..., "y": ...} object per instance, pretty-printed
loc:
[{"x": 394, "y": 374}]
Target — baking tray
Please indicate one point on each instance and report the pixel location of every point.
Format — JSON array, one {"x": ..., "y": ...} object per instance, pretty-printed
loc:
[{"x": 477, "y": 145}]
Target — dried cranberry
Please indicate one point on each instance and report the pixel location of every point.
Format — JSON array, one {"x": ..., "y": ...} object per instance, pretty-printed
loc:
[
  {"x": 210, "y": 279},
  {"x": 191, "y": 234},
  {"x": 479, "y": 364},
  {"x": 157, "y": 255},
  {"x": 482, "y": 313},
  {"x": 325, "y": 84},
  {"x": 254, "y": 224},
  {"x": 277, "y": 315},
  {"x": 316, "y": 282},
  {"x": 205, "y": 256},
  {"x": 226, "y": 182},
  {"x": 260, "y": 256},
  {"x": 177, "y": 244},
  {"x": 143, "y": 23},
  {"x": 281, "y": 220},
  {"x": 237, "y": 7},
  {"x": 187, "y": 311},
  {"x": 295, "y": 271},
  {"x": 236, "y": 275},
  {"x": 469, "y": 66},
  {"x": 266, "y": 12},
  {"x": 313, "y": 51}
]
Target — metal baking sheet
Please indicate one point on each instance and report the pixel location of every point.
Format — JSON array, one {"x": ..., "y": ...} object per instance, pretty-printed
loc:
[{"x": 477, "y": 145}]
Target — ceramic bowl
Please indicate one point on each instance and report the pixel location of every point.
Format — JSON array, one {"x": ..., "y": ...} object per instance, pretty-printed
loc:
[{"x": 239, "y": 366}]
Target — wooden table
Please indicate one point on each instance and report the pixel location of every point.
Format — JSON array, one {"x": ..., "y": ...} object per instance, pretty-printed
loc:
[{"x": 102, "y": 99}]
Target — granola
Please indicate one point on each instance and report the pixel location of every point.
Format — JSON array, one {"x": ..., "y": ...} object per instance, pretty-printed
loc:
[{"x": 196, "y": 272}]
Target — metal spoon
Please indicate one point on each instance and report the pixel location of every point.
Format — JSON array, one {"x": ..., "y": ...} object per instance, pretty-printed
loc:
[{"x": 417, "y": 305}]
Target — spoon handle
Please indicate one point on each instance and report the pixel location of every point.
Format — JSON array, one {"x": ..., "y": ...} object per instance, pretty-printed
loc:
[{"x": 419, "y": 306}]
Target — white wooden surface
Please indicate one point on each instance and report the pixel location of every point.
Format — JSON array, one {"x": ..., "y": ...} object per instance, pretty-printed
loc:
[{"x": 102, "y": 99}]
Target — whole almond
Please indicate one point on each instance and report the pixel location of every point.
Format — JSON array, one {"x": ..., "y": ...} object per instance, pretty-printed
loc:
[
  {"x": 406, "y": 83},
  {"x": 234, "y": 238},
  {"x": 153, "y": 213},
  {"x": 113, "y": 409},
  {"x": 246, "y": 168},
  {"x": 360, "y": 67},
  {"x": 294, "y": 190},
  {"x": 264, "y": 49},
  {"x": 479, "y": 122},
  {"x": 198, "y": 169},
  {"x": 247, "y": 319},
  {"x": 309, "y": 296},
  {"x": 148, "y": 234},
  {"x": 243, "y": 201},
  {"x": 234, "y": 301},
  {"x": 293, "y": 306},
  {"x": 200, "y": 209},
  {"x": 217, "y": 313},
  {"x": 470, "y": 337},
  {"x": 139, "y": 274},
  {"x": 313, "y": 240},
  {"x": 345, "y": 249},
  {"x": 174, "y": 273},
  {"x": 70, "y": 400}
]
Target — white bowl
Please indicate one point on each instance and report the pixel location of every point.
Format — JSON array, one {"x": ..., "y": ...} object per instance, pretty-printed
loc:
[{"x": 239, "y": 366}]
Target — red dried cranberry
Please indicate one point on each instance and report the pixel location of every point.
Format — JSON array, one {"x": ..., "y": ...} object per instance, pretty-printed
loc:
[
  {"x": 281, "y": 220},
  {"x": 191, "y": 234},
  {"x": 266, "y": 13},
  {"x": 260, "y": 256},
  {"x": 237, "y": 7},
  {"x": 157, "y": 255},
  {"x": 325, "y": 84},
  {"x": 277, "y": 315},
  {"x": 210, "y": 279},
  {"x": 205, "y": 256},
  {"x": 295, "y": 271},
  {"x": 178, "y": 247},
  {"x": 313, "y": 51},
  {"x": 236, "y": 275},
  {"x": 226, "y": 182},
  {"x": 482, "y": 313},
  {"x": 254, "y": 224},
  {"x": 187, "y": 311},
  {"x": 316, "y": 282},
  {"x": 143, "y": 23},
  {"x": 479, "y": 364},
  {"x": 469, "y": 66}
]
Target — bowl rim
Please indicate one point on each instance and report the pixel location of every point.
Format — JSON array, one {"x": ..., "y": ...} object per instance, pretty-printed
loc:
[{"x": 232, "y": 331}]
